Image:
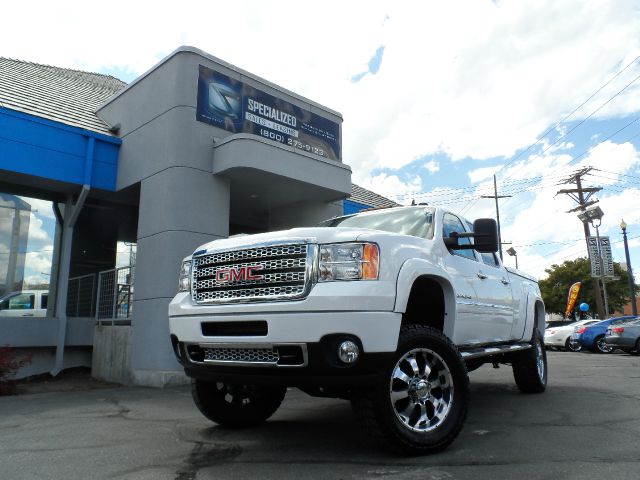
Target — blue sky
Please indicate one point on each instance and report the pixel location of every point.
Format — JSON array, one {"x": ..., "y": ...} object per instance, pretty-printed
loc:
[{"x": 435, "y": 96}]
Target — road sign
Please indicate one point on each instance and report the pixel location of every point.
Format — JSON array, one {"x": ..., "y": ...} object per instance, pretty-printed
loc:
[
  {"x": 607, "y": 258},
  {"x": 594, "y": 256}
]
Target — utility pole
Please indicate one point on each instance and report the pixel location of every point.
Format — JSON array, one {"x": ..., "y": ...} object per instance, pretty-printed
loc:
[
  {"x": 496, "y": 197},
  {"x": 584, "y": 201}
]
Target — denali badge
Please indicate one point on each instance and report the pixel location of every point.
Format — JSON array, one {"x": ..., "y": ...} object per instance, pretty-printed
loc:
[{"x": 236, "y": 274}]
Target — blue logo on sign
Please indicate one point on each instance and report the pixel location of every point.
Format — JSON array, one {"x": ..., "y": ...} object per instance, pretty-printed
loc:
[{"x": 224, "y": 100}]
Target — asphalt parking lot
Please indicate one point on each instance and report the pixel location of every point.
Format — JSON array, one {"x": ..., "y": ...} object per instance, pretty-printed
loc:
[{"x": 587, "y": 425}]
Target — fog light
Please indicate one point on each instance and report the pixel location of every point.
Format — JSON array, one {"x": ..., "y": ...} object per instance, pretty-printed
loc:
[{"x": 348, "y": 351}]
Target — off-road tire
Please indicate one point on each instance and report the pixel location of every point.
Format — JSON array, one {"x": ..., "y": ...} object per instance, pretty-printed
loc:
[
  {"x": 530, "y": 366},
  {"x": 236, "y": 406},
  {"x": 442, "y": 392}
]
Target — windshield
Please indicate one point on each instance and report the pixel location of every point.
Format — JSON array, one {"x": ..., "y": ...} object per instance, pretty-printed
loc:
[{"x": 417, "y": 222}]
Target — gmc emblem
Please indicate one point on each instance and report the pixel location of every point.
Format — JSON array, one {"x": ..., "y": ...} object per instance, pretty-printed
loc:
[{"x": 236, "y": 274}]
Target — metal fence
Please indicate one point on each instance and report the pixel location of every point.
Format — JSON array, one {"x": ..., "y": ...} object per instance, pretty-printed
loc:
[
  {"x": 115, "y": 295},
  {"x": 81, "y": 296}
]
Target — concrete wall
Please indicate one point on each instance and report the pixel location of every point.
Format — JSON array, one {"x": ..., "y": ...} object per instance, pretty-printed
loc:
[
  {"x": 44, "y": 358},
  {"x": 111, "y": 359}
]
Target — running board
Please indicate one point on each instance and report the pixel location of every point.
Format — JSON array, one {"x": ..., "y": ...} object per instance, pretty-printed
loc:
[{"x": 486, "y": 351}]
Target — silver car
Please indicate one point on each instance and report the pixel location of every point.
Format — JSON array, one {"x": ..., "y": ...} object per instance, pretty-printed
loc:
[{"x": 625, "y": 336}]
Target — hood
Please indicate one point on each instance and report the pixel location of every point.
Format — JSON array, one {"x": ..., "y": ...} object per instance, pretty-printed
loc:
[{"x": 310, "y": 235}]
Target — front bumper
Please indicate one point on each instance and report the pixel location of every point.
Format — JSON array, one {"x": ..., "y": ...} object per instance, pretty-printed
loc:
[
  {"x": 321, "y": 368},
  {"x": 377, "y": 331},
  {"x": 312, "y": 335}
]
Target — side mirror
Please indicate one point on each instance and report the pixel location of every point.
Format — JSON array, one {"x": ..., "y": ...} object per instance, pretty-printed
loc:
[{"x": 485, "y": 235}]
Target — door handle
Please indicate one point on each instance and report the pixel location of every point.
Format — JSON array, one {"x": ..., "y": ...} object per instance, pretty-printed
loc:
[
  {"x": 27, "y": 315},
  {"x": 504, "y": 281},
  {"x": 481, "y": 276}
]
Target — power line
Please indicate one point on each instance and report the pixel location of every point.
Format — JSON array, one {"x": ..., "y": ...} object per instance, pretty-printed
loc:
[{"x": 569, "y": 115}]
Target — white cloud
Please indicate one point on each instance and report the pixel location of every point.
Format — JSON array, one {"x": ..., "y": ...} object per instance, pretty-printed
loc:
[
  {"x": 613, "y": 158},
  {"x": 35, "y": 280},
  {"x": 38, "y": 262},
  {"x": 540, "y": 217},
  {"x": 432, "y": 166},
  {"x": 392, "y": 187},
  {"x": 481, "y": 84},
  {"x": 483, "y": 173},
  {"x": 41, "y": 207}
]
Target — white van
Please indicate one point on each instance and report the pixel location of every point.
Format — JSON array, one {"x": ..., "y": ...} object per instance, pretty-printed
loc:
[{"x": 27, "y": 303}]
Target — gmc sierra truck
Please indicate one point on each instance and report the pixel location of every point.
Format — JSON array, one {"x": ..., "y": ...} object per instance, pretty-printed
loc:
[{"x": 387, "y": 308}]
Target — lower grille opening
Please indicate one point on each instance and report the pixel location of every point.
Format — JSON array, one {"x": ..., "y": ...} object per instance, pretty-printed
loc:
[
  {"x": 276, "y": 355},
  {"x": 196, "y": 354},
  {"x": 290, "y": 355}
]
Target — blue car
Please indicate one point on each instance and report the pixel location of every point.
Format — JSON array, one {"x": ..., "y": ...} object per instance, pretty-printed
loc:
[{"x": 592, "y": 336}]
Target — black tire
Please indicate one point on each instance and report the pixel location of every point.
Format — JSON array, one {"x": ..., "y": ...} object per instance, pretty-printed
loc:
[
  {"x": 404, "y": 424},
  {"x": 599, "y": 345},
  {"x": 636, "y": 349},
  {"x": 530, "y": 367},
  {"x": 236, "y": 406}
]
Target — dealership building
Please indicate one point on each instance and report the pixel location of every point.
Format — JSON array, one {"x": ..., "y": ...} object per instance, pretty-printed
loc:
[{"x": 193, "y": 150}]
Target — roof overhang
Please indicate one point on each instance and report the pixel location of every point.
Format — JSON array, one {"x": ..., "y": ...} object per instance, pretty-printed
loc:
[{"x": 282, "y": 175}]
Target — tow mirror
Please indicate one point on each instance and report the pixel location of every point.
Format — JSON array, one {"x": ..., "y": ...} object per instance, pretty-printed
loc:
[{"x": 485, "y": 237}]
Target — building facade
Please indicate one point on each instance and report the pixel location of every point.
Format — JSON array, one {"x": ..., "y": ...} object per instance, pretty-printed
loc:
[{"x": 193, "y": 150}]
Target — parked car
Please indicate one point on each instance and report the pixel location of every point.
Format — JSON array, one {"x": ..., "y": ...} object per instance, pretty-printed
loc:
[
  {"x": 26, "y": 303},
  {"x": 559, "y": 336},
  {"x": 592, "y": 336},
  {"x": 625, "y": 336}
]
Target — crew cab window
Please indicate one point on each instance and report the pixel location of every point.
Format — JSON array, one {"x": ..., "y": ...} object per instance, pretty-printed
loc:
[
  {"x": 44, "y": 298},
  {"x": 450, "y": 224},
  {"x": 490, "y": 258}
]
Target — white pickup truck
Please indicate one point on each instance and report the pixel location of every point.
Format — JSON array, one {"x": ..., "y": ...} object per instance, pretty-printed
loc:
[{"x": 387, "y": 308}]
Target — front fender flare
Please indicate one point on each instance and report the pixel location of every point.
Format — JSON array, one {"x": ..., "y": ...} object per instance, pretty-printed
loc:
[{"x": 413, "y": 269}]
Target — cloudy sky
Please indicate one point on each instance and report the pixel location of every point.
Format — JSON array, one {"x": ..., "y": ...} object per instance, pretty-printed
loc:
[{"x": 437, "y": 97}]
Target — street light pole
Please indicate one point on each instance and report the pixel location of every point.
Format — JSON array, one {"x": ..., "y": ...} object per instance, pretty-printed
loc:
[{"x": 632, "y": 290}]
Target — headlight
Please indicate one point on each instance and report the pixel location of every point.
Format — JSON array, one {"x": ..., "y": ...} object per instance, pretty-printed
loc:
[
  {"x": 184, "y": 281},
  {"x": 349, "y": 261}
]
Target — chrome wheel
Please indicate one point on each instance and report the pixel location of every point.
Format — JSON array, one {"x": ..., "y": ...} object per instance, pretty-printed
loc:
[
  {"x": 421, "y": 390},
  {"x": 574, "y": 346},
  {"x": 602, "y": 347},
  {"x": 540, "y": 364}
]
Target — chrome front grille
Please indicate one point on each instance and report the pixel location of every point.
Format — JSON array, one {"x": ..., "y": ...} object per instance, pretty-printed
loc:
[
  {"x": 284, "y": 355},
  {"x": 263, "y": 273},
  {"x": 250, "y": 355}
]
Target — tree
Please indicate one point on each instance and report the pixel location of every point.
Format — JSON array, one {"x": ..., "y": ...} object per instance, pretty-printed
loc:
[{"x": 555, "y": 288}]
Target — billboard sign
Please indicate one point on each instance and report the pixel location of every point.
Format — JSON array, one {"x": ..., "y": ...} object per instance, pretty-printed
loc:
[
  {"x": 240, "y": 108},
  {"x": 607, "y": 258},
  {"x": 594, "y": 256}
]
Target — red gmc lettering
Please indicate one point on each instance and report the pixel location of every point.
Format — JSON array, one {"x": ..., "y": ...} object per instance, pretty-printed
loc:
[{"x": 227, "y": 275}]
